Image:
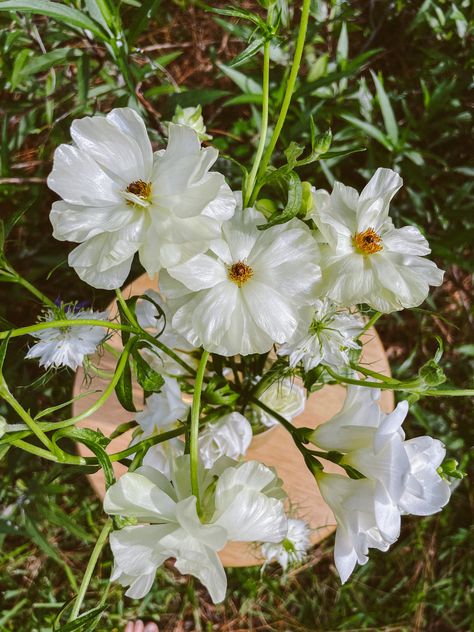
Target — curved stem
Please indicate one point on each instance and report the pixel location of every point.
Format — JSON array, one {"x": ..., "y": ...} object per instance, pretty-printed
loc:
[
  {"x": 52, "y": 324},
  {"x": 370, "y": 323},
  {"x": 290, "y": 86},
  {"x": 99, "y": 545},
  {"x": 249, "y": 185},
  {"x": 126, "y": 309},
  {"x": 23, "y": 414},
  {"x": 194, "y": 432},
  {"x": 400, "y": 386},
  {"x": 33, "y": 290}
]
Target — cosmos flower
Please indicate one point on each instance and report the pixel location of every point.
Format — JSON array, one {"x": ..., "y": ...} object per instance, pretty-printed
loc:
[
  {"x": 329, "y": 339},
  {"x": 367, "y": 259},
  {"x": 120, "y": 198},
  {"x": 249, "y": 290},
  {"x": 67, "y": 346}
]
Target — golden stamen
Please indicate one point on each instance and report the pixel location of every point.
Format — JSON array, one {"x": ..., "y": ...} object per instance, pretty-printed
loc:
[
  {"x": 368, "y": 242},
  {"x": 140, "y": 189},
  {"x": 240, "y": 273}
]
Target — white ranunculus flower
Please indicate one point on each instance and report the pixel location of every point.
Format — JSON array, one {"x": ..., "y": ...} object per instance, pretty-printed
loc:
[
  {"x": 331, "y": 335},
  {"x": 163, "y": 409},
  {"x": 119, "y": 198},
  {"x": 293, "y": 548},
  {"x": 191, "y": 116},
  {"x": 228, "y": 436},
  {"x": 244, "y": 504},
  {"x": 67, "y": 346},
  {"x": 249, "y": 290},
  {"x": 284, "y": 397},
  {"x": 159, "y": 324},
  {"x": 353, "y": 504},
  {"x": 367, "y": 259}
]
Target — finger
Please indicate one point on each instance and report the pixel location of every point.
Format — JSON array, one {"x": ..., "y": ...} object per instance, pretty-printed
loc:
[
  {"x": 130, "y": 627},
  {"x": 139, "y": 627},
  {"x": 151, "y": 627}
]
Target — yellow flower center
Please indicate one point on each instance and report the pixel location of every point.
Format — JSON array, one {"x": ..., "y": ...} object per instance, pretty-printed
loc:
[
  {"x": 368, "y": 242},
  {"x": 239, "y": 273},
  {"x": 140, "y": 189}
]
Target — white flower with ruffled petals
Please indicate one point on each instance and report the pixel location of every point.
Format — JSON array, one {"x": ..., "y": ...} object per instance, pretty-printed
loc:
[
  {"x": 229, "y": 436},
  {"x": 120, "y": 198},
  {"x": 249, "y": 290},
  {"x": 331, "y": 335},
  {"x": 244, "y": 505},
  {"x": 285, "y": 397},
  {"x": 367, "y": 259},
  {"x": 353, "y": 504},
  {"x": 67, "y": 346},
  {"x": 163, "y": 409},
  {"x": 293, "y": 548}
]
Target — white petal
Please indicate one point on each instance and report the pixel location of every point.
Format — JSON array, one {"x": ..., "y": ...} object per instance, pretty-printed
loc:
[
  {"x": 132, "y": 124},
  {"x": 203, "y": 563},
  {"x": 406, "y": 240},
  {"x": 211, "y": 535},
  {"x": 136, "y": 496},
  {"x": 269, "y": 310},
  {"x": 137, "y": 550},
  {"x": 345, "y": 556},
  {"x": 199, "y": 273},
  {"x": 383, "y": 185}
]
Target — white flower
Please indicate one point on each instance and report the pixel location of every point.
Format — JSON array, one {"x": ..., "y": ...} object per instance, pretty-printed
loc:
[
  {"x": 353, "y": 505},
  {"x": 163, "y": 409},
  {"x": 426, "y": 492},
  {"x": 191, "y": 116},
  {"x": 293, "y": 548},
  {"x": 331, "y": 335},
  {"x": 249, "y": 290},
  {"x": 367, "y": 259},
  {"x": 67, "y": 346},
  {"x": 158, "y": 323},
  {"x": 3, "y": 426},
  {"x": 228, "y": 436},
  {"x": 284, "y": 397},
  {"x": 244, "y": 505},
  {"x": 118, "y": 198}
]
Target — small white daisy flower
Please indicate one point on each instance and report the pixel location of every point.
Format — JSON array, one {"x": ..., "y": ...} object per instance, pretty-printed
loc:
[
  {"x": 67, "y": 346},
  {"x": 330, "y": 337},
  {"x": 293, "y": 548}
]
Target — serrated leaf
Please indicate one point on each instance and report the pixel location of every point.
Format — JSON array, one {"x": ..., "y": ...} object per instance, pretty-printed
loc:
[
  {"x": 386, "y": 109},
  {"x": 57, "y": 11}
]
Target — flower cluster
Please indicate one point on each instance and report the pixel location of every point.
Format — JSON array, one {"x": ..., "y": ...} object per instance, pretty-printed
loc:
[{"x": 273, "y": 302}]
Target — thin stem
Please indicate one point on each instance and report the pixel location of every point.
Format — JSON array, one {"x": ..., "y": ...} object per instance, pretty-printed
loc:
[
  {"x": 22, "y": 413},
  {"x": 290, "y": 86},
  {"x": 99, "y": 545},
  {"x": 52, "y": 324},
  {"x": 126, "y": 310},
  {"x": 370, "y": 323},
  {"x": 194, "y": 432},
  {"x": 400, "y": 386},
  {"x": 146, "y": 443},
  {"x": 169, "y": 352},
  {"x": 249, "y": 185},
  {"x": 33, "y": 290},
  {"x": 284, "y": 422}
]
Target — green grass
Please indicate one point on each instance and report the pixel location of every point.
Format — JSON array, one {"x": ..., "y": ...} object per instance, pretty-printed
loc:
[{"x": 51, "y": 74}]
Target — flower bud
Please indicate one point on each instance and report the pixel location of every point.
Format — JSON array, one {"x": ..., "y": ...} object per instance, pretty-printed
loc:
[{"x": 192, "y": 117}]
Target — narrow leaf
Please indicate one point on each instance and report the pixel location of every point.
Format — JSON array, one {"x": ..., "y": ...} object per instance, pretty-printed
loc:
[
  {"x": 368, "y": 129},
  {"x": 386, "y": 108}
]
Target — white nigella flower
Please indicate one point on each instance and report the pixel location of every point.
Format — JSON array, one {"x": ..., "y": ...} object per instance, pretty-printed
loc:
[
  {"x": 353, "y": 505},
  {"x": 191, "y": 116},
  {"x": 293, "y": 548},
  {"x": 244, "y": 504},
  {"x": 249, "y": 290},
  {"x": 119, "y": 198},
  {"x": 284, "y": 397},
  {"x": 163, "y": 409},
  {"x": 159, "y": 324},
  {"x": 228, "y": 436},
  {"x": 367, "y": 259},
  {"x": 67, "y": 346},
  {"x": 330, "y": 337}
]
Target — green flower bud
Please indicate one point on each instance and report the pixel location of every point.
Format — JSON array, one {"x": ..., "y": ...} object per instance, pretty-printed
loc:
[
  {"x": 192, "y": 117},
  {"x": 266, "y": 206}
]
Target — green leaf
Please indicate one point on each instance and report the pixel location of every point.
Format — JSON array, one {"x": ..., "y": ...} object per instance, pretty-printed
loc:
[
  {"x": 96, "y": 442},
  {"x": 149, "y": 379},
  {"x": 368, "y": 129},
  {"x": 292, "y": 153},
  {"x": 246, "y": 84},
  {"x": 293, "y": 205},
  {"x": 141, "y": 19},
  {"x": 238, "y": 13},
  {"x": 85, "y": 623},
  {"x": 20, "y": 61},
  {"x": 124, "y": 389},
  {"x": 244, "y": 99},
  {"x": 57, "y": 11},
  {"x": 251, "y": 50},
  {"x": 83, "y": 77},
  {"x": 40, "y": 63},
  {"x": 386, "y": 108}
]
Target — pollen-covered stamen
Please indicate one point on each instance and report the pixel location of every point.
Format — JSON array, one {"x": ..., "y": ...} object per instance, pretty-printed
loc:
[
  {"x": 239, "y": 273},
  {"x": 138, "y": 189},
  {"x": 368, "y": 242}
]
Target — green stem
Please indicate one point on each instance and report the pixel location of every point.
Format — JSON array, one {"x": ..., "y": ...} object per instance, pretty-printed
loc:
[
  {"x": 22, "y": 413},
  {"x": 99, "y": 545},
  {"x": 146, "y": 443},
  {"x": 52, "y": 324},
  {"x": 33, "y": 290},
  {"x": 194, "y": 432},
  {"x": 169, "y": 352},
  {"x": 126, "y": 310},
  {"x": 400, "y": 386},
  {"x": 370, "y": 323},
  {"x": 249, "y": 185},
  {"x": 290, "y": 86}
]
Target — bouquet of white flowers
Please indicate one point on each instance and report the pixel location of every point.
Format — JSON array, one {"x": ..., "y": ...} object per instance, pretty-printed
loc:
[{"x": 257, "y": 308}]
